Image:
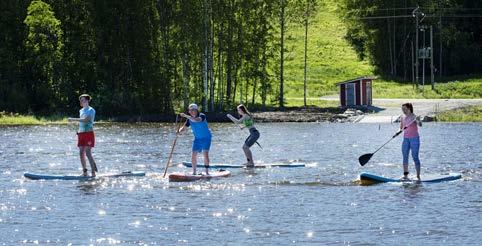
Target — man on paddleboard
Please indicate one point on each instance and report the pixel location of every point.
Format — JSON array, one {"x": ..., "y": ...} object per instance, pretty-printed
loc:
[
  {"x": 85, "y": 134},
  {"x": 202, "y": 135}
]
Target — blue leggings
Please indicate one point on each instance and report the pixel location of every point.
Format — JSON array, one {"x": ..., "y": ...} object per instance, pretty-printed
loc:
[{"x": 411, "y": 144}]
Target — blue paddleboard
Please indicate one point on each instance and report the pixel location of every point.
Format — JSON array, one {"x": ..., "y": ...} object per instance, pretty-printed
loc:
[
  {"x": 368, "y": 178},
  {"x": 35, "y": 176},
  {"x": 188, "y": 164}
]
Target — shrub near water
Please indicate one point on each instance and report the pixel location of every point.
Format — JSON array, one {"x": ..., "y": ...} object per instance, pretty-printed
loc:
[{"x": 466, "y": 114}]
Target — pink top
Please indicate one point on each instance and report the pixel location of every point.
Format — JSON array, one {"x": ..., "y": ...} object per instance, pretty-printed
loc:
[{"x": 412, "y": 129}]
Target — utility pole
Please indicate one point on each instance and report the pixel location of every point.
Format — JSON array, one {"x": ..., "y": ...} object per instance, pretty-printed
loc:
[
  {"x": 440, "y": 40},
  {"x": 416, "y": 13},
  {"x": 431, "y": 59},
  {"x": 413, "y": 65},
  {"x": 423, "y": 57}
]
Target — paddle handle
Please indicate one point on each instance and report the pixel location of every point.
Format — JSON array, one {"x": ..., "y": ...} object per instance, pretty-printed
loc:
[{"x": 172, "y": 148}]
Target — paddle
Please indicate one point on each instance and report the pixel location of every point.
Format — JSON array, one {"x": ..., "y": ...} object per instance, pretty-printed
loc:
[
  {"x": 366, "y": 157},
  {"x": 235, "y": 121},
  {"x": 173, "y": 145}
]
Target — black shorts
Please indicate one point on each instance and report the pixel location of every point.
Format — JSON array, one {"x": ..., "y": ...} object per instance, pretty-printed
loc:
[{"x": 253, "y": 136}]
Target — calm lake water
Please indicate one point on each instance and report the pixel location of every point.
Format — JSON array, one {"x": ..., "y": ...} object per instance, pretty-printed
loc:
[{"x": 319, "y": 204}]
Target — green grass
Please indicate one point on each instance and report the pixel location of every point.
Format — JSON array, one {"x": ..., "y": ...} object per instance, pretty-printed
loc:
[
  {"x": 469, "y": 88},
  {"x": 17, "y": 119},
  {"x": 298, "y": 102},
  {"x": 466, "y": 114},
  {"x": 331, "y": 60}
]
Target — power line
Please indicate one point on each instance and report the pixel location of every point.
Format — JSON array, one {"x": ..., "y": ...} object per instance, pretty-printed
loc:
[
  {"x": 410, "y": 16},
  {"x": 421, "y": 8}
]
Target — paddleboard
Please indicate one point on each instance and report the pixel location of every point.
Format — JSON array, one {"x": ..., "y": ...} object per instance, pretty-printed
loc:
[
  {"x": 188, "y": 164},
  {"x": 368, "y": 178},
  {"x": 186, "y": 177},
  {"x": 35, "y": 176}
]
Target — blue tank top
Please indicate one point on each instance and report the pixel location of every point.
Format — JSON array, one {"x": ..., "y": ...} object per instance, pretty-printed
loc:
[{"x": 200, "y": 129}]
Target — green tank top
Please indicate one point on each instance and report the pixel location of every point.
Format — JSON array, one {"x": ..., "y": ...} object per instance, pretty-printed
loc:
[{"x": 248, "y": 122}]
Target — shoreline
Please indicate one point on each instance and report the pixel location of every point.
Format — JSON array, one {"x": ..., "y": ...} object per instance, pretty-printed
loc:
[{"x": 289, "y": 114}]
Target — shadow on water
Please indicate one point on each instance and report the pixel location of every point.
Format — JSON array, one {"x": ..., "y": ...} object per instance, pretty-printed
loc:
[
  {"x": 413, "y": 189},
  {"x": 90, "y": 187}
]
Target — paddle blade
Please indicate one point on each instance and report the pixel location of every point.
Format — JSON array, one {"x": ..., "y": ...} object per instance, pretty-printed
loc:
[{"x": 364, "y": 158}]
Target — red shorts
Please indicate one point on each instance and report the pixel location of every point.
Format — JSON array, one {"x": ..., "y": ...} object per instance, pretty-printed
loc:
[{"x": 85, "y": 139}]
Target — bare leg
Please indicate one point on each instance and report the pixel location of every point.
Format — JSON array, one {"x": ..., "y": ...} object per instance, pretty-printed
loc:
[
  {"x": 93, "y": 166},
  {"x": 194, "y": 162},
  {"x": 249, "y": 155},
  {"x": 82, "y": 160},
  {"x": 206, "y": 161}
]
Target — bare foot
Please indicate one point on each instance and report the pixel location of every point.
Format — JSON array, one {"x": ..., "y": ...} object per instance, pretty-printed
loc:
[
  {"x": 93, "y": 173},
  {"x": 84, "y": 172}
]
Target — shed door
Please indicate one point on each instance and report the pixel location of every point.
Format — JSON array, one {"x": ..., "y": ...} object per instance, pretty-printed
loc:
[{"x": 350, "y": 94}]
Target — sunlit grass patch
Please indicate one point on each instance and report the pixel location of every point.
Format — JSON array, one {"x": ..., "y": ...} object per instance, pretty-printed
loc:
[{"x": 466, "y": 114}]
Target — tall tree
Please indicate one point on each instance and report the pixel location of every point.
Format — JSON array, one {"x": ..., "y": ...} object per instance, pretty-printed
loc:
[
  {"x": 79, "y": 67},
  {"x": 13, "y": 87},
  {"x": 282, "y": 23},
  {"x": 44, "y": 52}
]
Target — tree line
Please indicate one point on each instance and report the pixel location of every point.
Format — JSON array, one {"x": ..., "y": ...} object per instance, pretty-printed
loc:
[
  {"x": 142, "y": 57},
  {"x": 152, "y": 57}
]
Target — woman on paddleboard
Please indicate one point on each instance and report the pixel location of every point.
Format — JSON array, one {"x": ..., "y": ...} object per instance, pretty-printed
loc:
[
  {"x": 202, "y": 135},
  {"x": 411, "y": 139},
  {"x": 246, "y": 120},
  {"x": 85, "y": 135}
]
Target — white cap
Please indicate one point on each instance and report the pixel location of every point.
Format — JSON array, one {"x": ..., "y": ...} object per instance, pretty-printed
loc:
[{"x": 193, "y": 106}]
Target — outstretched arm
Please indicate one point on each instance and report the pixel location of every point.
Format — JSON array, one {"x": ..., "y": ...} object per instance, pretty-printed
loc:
[
  {"x": 195, "y": 119},
  {"x": 82, "y": 119},
  {"x": 234, "y": 119}
]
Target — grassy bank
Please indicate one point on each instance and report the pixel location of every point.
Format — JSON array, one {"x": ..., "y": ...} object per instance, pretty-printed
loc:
[
  {"x": 16, "y": 119},
  {"x": 466, "y": 114},
  {"x": 331, "y": 60},
  {"x": 465, "y": 88}
]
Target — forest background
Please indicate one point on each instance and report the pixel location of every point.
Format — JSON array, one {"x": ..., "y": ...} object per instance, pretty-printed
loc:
[{"x": 150, "y": 58}]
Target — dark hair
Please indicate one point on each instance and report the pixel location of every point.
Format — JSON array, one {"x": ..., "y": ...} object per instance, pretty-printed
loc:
[
  {"x": 409, "y": 106},
  {"x": 86, "y": 96},
  {"x": 244, "y": 109}
]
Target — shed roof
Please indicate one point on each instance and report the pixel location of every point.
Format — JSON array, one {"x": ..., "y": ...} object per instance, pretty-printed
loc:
[{"x": 357, "y": 79}]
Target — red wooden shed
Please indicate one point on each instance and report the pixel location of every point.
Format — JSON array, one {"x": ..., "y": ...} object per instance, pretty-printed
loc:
[{"x": 356, "y": 92}]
